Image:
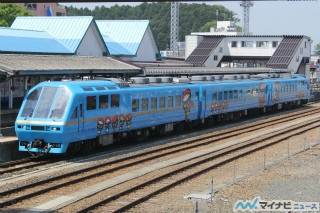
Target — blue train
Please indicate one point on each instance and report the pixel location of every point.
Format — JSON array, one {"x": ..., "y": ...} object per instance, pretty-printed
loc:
[{"x": 74, "y": 116}]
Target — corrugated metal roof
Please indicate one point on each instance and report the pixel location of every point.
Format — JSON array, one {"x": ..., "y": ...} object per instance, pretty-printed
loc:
[
  {"x": 201, "y": 53},
  {"x": 114, "y": 47},
  {"x": 69, "y": 30},
  {"x": 22, "y": 41},
  {"x": 128, "y": 34},
  {"x": 14, "y": 64},
  {"x": 284, "y": 53}
]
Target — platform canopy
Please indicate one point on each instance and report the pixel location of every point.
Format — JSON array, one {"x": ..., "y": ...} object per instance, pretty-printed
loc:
[{"x": 27, "y": 65}]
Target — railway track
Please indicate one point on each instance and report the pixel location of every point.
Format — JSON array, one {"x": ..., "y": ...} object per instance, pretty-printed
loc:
[
  {"x": 109, "y": 169},
  {"x": 34, "y": 163},
  {"x": 151, "y": 186}
]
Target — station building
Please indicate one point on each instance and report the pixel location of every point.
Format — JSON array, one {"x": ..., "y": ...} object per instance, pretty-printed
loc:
[{"x": 62, "y": 48}]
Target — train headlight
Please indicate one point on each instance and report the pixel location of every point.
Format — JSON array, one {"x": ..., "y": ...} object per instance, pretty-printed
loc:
[{"x": 55, "y": 128}]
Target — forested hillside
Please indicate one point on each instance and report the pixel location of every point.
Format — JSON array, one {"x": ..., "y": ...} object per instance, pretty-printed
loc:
[{"x": 193, "y": 17}]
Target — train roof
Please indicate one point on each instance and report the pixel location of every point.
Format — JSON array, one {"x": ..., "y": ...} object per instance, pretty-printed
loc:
[{"x": 143, "y": 82}]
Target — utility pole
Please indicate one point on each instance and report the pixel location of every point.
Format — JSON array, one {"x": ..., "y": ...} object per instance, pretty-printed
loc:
[
  {"x": 174, "y": 35},
  {"x": 246, "y": 4}
]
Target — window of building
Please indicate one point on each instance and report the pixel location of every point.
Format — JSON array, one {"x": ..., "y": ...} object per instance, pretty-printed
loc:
[
  {"x": 246, "y": 44},
  {"x": 262, "y": 44},
  {"x": 274, "y": 44},
  {"x": 215, "y": 57},
  {"x": 234, "y": 44}
]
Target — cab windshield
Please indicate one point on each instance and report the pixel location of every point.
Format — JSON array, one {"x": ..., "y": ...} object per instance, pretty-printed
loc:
[{"x": 46, "y": 102}]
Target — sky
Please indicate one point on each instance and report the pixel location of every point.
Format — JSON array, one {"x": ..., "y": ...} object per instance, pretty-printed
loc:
[{"x": 266, "y": 17}]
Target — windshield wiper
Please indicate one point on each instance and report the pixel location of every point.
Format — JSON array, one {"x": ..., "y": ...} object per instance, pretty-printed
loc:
[{"x": 30, "y": 114}]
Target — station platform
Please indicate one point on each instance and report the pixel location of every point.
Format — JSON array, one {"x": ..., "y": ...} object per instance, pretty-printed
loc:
[
  {"x": 8, "y": 117},
  {"x": 9, "y": 145}
]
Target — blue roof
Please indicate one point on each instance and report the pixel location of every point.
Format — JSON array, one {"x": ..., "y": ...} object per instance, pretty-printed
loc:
[
  {"x": 16, "y": 40},
  {"x": 123, "y": 37},
  {"x": 68, "y": 30}
]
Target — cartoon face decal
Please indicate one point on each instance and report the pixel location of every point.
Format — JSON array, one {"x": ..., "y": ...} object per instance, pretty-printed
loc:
[
  {"x": 128, "y": 120},
  {"x": 261, "y": 94},
  {"x": 186, "y": 103},
  {"x": 100, "y": 124},
  {"x": 276, "y": 96},
  {"x": 219, "y": 107},
  {"x": 107, "y": 124},
  {"x": 114, "y": 121},
  {"x": 122, "y": 120}
]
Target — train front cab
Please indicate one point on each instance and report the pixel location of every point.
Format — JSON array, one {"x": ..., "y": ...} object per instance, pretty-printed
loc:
[{"x": 40, "y": 123}]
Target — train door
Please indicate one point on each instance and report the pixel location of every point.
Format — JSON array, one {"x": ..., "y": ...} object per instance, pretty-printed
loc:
[
  {"x": 268, "y": 95},
  {"x": 201, "y": 102},
  {"x": 80, "y": 118}
]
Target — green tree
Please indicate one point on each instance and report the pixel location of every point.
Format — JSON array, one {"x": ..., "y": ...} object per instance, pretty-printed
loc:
[
  {"x": 9, "y": 12},
  {"x": 206, "y": 27},
  {"x": 317, "y": 49}
]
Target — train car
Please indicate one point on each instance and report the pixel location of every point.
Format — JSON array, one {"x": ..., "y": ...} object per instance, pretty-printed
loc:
[{"x": 74, "y": 116}]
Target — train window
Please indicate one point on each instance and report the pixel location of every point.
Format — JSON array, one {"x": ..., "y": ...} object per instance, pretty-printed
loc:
[
  {"x": 87, "y": 88},
  {"x": 161, "y": 102},
  {"x": 249, "y": 93},
  {"x": 112, "y": 88},
  {"x": 45, "y": 102},
  {"x": 240, "y": 94},
  {"x": 75, "y": 113},
  {"x": 214, "y": 96},
  {"x": 80, "y": 109},
  {"x": 220, "y": 96},
  {"x": 115, "y": 99},
  {"x": 100, "y": 88},
  {"x": 197, "y": 96},
  {"x": 145, "y": 104},
  {"x": 31, "y": 103},
  {"x": 60, "y": 103},
  {"x": 235, "y": 94},
  {"x": 153, "y": 103},
  {"x": 170, "y": 101},
  {"x": 230, "y": 95},
  {"x": 225, "y": 95},
  {"x": 91, "y": 102},
  {"x": 255, "y": 92},
  {"x": 178, "y": 100},
  {"x": 204, "y": 94},
  {"x": 103, "y": 101},
  {"x": 135, "y": 105}
]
